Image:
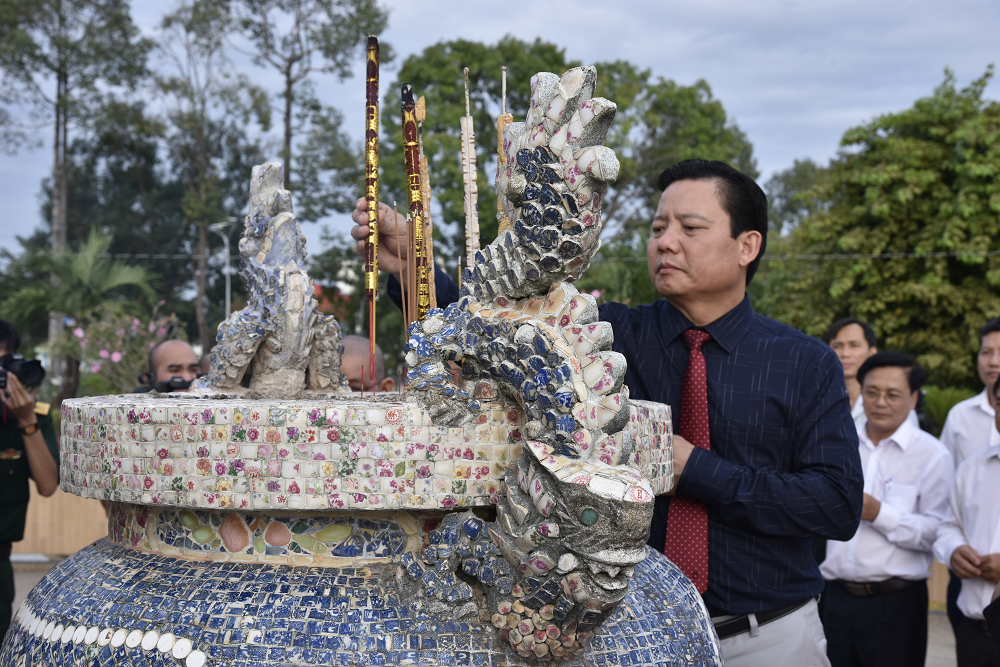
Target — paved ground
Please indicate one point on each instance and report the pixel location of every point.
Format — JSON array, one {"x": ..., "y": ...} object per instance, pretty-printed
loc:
[{"x": 940, "y": 649}]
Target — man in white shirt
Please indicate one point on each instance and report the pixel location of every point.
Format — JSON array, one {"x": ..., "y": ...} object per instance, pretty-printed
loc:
[
  {"x": 876, "y": 597},
  {"x": 969, "y": 540},
  {"x": 969, "y": 427},
  {"x": 854, "y": 341}
]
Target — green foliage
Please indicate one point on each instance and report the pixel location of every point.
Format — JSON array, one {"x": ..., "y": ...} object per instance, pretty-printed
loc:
[
  {"x": 938, "y": 402},
  {"x": 924, "y": 180},
  {"x": 83, "y": 45},
  {"x": 210, "y": 107},
  {"x": 329, "y": 165},
  {"x": 85, "y": 281},
  {"x": 324, "y": 37},
  {"x": 618, "y": 273},
  {"x": 791, "y": 197}
]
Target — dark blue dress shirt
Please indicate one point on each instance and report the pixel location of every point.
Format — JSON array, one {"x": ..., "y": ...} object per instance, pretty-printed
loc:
[{"x": 784, "y": 467}]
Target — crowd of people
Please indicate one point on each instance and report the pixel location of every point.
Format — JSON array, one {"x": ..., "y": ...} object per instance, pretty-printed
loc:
[{"x": 808, "y": 503}]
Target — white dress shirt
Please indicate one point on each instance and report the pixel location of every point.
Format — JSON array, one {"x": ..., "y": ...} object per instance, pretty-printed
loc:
[
  {"x": 910, "y": 473},
  {"x": 976, "y": 498},
  {"x": 970, "y": 428},
  {"x": 858, "y": 412}
]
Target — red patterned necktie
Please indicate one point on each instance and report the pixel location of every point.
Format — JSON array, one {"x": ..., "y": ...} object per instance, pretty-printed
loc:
[{"x": 687, "y": 522}]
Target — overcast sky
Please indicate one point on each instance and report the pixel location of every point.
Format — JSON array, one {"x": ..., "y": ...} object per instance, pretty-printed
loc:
[{"x": 793, "y": 74}]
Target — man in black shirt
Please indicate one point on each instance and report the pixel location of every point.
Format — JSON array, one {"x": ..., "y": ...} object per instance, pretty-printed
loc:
[{"x": 782, "y": 467}]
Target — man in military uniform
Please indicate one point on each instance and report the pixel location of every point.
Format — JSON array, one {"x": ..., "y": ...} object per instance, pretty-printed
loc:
[{"x": 28, "y": 448}]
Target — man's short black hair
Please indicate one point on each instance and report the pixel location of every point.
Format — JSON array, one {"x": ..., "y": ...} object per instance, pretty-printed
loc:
[
  {"x": 9, "y": 337},
  {"x": 739, "y": 196},
  {"x": 835, "y": 328},
  {"x": 915, "y": 376},
  {"x": 991, "y": 326}
]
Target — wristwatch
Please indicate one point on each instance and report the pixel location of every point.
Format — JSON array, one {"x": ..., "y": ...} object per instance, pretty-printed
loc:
[{"x": 30, "y": 429}]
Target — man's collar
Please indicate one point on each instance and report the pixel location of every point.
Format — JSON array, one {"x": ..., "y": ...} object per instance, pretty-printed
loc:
[
  {"x": 727, "y": 330},
  {"x": 902, "y": 436},
  {"x": 992, "y": 452}
]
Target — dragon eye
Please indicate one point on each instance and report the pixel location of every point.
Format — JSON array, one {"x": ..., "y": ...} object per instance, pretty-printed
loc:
[{"x": 589, "y": 516}]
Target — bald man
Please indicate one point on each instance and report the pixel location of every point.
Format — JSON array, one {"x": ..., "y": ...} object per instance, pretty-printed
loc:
[
  {"x": 354, "y": 365},
  {"x": 173, "y": 366}
]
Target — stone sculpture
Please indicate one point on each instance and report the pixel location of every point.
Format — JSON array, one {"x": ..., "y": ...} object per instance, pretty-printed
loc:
[
  {"x": 574, "y": 535},
  {"x": 279, "y": 524},
  {"x": 291, "y": 345}
]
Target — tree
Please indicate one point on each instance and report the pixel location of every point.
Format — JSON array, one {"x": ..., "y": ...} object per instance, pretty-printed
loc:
[
  {"x": 791, "y": 196},
  {"x": 924, "y": 182},
  {"x": 118, "y": 183},
  {"x": 324, "y": 38},
  {"x": 87, "y": 281},
  {"x": 209, "y": 110},
  {"x": 77, "y": 46}
]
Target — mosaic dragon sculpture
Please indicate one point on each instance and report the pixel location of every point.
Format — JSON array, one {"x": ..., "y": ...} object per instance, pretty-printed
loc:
[
  {"x": 291, "y": 344},
  {"x": 573, "y": 519}
]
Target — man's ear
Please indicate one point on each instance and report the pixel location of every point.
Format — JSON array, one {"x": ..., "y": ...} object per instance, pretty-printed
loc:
[
  {"x": 387, "y": 384},
  {"x": 872, "y": 351},
  {"x": 750, "y": 242},
  {"x": 915, "y": 396}
]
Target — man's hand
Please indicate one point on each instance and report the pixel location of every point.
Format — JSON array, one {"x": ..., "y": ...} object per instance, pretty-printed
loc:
[
  {"x": 965, "y": 562},
  {"x": 682, "y": 452},
  {"x": 391, "y": 232},
  {"x": 870, "y": 508},
  {"x": 19, "y": 401},
  {"x": 990, "y": 568}
]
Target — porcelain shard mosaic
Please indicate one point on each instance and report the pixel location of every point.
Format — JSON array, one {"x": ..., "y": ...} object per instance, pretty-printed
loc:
[
  {"x": 114, "y": 606},
  {"x": 309, "y": 455}
]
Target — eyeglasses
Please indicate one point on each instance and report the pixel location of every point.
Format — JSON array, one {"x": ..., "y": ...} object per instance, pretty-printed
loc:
[{"x": 872, "y": 396}]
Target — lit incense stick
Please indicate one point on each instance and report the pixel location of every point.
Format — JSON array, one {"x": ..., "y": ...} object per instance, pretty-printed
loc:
[{"x": 469, "y": 181}]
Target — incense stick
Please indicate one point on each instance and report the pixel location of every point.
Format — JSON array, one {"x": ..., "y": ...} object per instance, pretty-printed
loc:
[
  {"x": 503, "y": 222},
  {"x": 425, "y": 196},
  {"x": 415, "y": 216},
  {"x": 371, "y": 184}
]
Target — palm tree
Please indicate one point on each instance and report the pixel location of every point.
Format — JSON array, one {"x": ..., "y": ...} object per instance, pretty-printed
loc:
[{"x": 88, "y": 280}]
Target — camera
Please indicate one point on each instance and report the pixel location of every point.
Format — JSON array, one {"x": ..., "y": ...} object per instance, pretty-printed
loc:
[
  {"x": 28, "y": 371},
  {"x": 176, "y": 383}
]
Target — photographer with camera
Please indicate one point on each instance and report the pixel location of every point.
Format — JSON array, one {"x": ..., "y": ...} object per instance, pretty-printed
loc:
[
  {"x": 28, "y": 448},
  {"x": 173, "y": 366}
]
